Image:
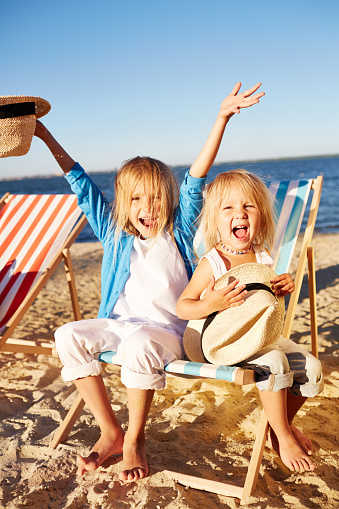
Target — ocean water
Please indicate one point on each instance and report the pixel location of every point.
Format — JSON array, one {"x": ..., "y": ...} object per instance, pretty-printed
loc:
[{"x": 284, "y": 169}]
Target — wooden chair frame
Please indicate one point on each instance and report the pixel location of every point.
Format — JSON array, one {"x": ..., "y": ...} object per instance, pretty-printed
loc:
[{"x": 9, "y": 344}]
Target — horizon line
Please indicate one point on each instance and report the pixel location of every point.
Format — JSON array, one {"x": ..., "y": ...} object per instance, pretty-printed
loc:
[{"x": 178, "y": 166}]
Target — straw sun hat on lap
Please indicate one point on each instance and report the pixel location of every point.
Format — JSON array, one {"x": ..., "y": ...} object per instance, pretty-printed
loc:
[
  {"x": 18, "y": 114},
  {"x": 231, "y": 336}
]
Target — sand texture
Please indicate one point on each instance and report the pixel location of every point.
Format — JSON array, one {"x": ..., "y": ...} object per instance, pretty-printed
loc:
[{"x": 199, "y": 427}]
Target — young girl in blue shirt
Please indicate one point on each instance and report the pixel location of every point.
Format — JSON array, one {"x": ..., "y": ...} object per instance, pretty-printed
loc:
[{"x": 147, "y": 236}]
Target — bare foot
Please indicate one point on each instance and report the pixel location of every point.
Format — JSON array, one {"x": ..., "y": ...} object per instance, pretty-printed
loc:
[
  {"x": 135, "y": 463},
  {"x": 291, "y": 454},
  {"x": 303, "y": 440},
  {"x": 108, "y": 444},
  {"x": 273, "y": 441}
]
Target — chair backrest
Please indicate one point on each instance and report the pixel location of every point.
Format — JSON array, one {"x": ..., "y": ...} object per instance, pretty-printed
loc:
[
  {"x": 33, "y": 229},
  {"x": 290, "y": 203}
]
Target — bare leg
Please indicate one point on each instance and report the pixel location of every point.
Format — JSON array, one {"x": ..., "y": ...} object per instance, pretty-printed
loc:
[
  {"x": 135, "y": 463},
  {"x": 93, "y": 391},
  {"x": 294, "y": 403},
  {"x": 283, "y": 440}
]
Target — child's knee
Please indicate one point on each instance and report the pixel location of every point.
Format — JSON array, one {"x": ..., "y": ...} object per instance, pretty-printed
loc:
[
  {"x": 313, "y": 369},
  {"x": 60, "y": 334},
  {"x": 64, "y": 337},
  {"x": 142, "y": 354},
  {"x": 274, "y": 372},
  {"x": 278, "y": 363},
  {"x": 308, "y": 382}
]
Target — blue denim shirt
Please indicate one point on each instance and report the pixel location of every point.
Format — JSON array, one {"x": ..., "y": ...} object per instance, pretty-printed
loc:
[{"x": 115, "y": 267}]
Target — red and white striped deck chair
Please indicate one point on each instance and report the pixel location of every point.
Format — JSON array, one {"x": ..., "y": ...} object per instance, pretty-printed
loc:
[
  {"x": 291, "y": 199},
  {"x": 36, "y": 232}
]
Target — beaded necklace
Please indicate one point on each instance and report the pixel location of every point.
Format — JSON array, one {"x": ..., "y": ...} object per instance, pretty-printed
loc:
[{"x": 236, "y": 252}]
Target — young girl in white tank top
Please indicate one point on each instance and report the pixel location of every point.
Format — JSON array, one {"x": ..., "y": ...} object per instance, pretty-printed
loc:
[{"x": 238, "y": 228}]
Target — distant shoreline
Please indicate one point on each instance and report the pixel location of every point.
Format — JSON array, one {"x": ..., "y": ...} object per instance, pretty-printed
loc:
[{"x": 180, "y": 166}]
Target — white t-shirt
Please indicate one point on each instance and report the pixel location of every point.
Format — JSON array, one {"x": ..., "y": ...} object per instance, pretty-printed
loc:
[{"x": 157, "y": 279}]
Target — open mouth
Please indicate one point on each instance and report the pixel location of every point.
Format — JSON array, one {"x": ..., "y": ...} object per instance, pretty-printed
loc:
[
  {"x": 148, "y": 222},
  {"x": 240, "y": 232}
]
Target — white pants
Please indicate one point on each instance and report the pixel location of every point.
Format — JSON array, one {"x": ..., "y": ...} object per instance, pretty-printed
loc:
[
  {"x": 142, "y": 350},
  {"x": 285, "y": 364}
]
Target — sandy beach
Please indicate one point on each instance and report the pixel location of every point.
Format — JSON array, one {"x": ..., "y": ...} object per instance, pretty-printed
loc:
[{"x": 197, "y": 427}]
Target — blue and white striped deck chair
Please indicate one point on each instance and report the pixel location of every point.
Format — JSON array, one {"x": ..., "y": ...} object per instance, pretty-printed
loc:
[{"x": 291, "y": 198}]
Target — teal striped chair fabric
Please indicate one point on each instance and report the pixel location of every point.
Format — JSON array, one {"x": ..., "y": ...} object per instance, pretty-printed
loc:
[
  {"x": 196, "y": 369},
  {"x": 290, "y": 201}
]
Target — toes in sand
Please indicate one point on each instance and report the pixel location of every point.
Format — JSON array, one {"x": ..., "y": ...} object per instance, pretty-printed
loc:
[
  {"x": 135, "y": 462},
  {"x": 105, "y": 447}
]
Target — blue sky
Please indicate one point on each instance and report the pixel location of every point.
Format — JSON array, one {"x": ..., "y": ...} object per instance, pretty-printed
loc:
[{"x": 128, "y": 78}]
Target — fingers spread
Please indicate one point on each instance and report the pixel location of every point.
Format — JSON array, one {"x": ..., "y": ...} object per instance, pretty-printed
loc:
[
  {"x": 252, "y": 89},
  {"x": 236, "y": 89}
]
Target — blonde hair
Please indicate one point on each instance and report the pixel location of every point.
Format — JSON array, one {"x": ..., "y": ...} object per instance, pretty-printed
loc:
[
  {"x": 254, "y": 188},
  {"x": 158, "y": 180}
]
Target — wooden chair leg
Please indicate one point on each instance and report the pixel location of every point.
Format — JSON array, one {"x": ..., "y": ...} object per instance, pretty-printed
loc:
[
  {"x": 64, "y": 429},
  {"x": 255, "y": 462},
  {"x": 71, "y": 283},
  {"x": 74, "y": 412},
  {"x": 313, "y": 304},
  {"x": 228, "y": 490}
]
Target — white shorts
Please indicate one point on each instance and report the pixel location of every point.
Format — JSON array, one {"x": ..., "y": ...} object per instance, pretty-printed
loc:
[{"x": 142, "y": 350}]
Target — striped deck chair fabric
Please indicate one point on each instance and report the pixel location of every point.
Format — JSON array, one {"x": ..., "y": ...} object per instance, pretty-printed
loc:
[
  {"x": 33, "y": 231},
  {"x": 290, "y": 200}
]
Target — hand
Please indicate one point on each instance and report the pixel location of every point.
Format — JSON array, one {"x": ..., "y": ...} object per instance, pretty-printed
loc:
[
  {"x": 227, "y": 297},
  {"x": 234, "y": 101},
  {"x": 40, "y": 130},
  {"x": 282, "y": 285}
]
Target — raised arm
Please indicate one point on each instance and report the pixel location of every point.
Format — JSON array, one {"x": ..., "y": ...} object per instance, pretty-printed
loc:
[
  {"x": 90, "y": 199},
  {"x": 232, "y": 104},
  {"x": 64, "y": 160}
]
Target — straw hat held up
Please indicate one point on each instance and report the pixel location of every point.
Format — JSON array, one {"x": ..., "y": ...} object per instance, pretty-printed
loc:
[{"x": 18, "y": 114}]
